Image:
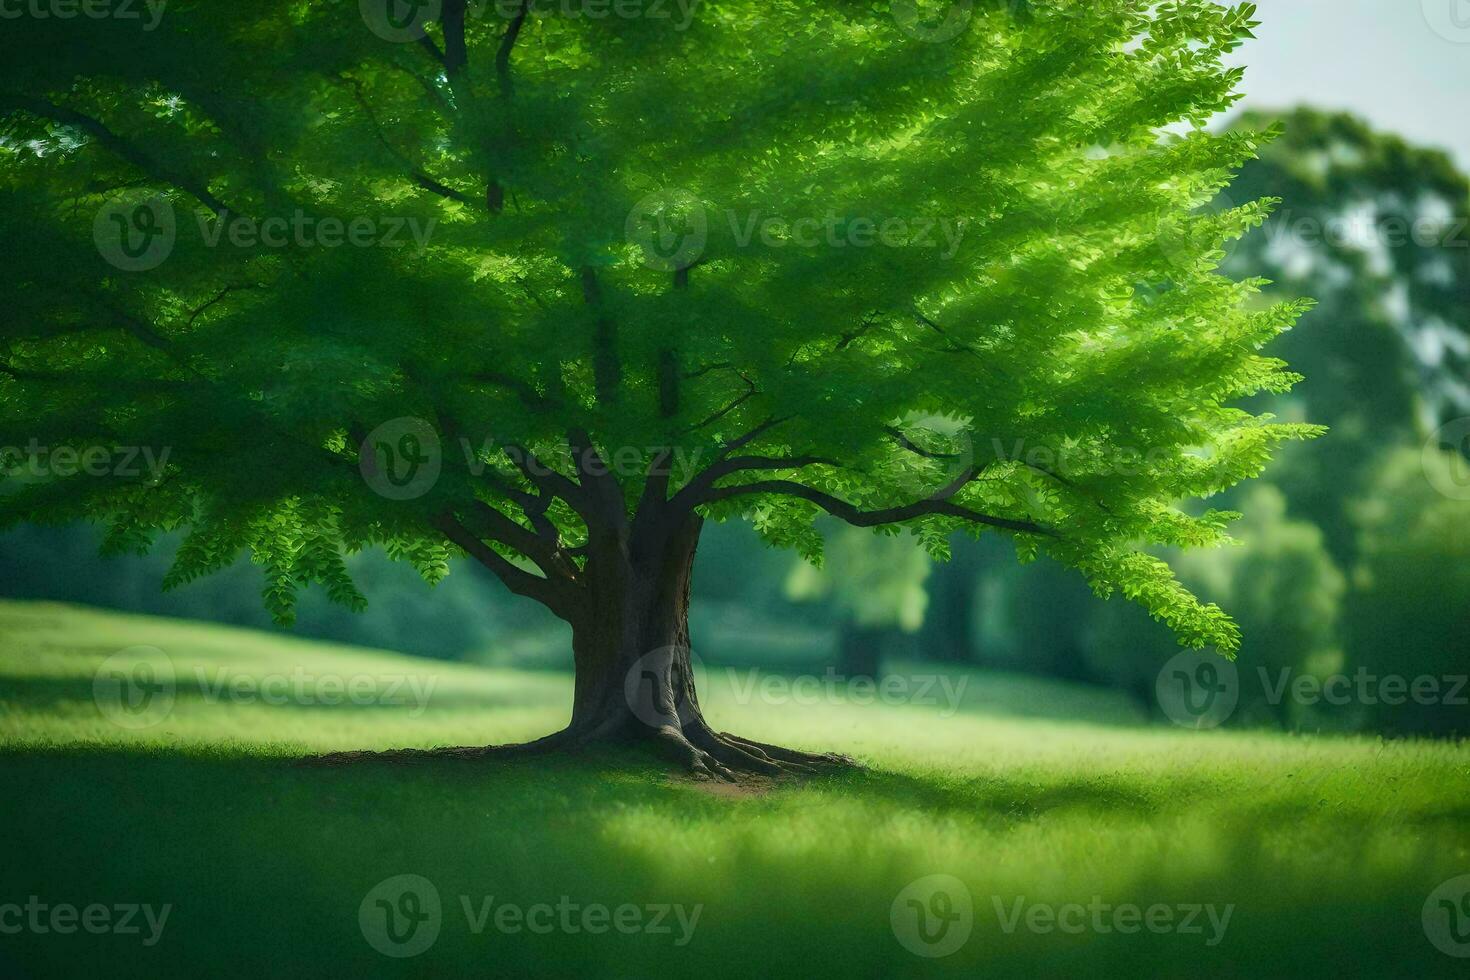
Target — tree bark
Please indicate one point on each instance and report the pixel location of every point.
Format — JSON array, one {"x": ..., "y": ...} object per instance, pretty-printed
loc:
[
  {"x": 860, "y": 650},
  {"x": 949, "y": 627},
  {"x": 635, "y": 678},
  {"x": 635, "y": 681}
]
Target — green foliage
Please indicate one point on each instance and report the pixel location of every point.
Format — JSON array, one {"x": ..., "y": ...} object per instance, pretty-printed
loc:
[
  {"x": 1374, "y": 228},
  {"x": 1410, "y": 613},
  {"x": 1078, "y": 313},
  {"x": 1281, "y": 584},
  {"x": 1301, "y": 834},
  {"x": 870, "y": 580}
]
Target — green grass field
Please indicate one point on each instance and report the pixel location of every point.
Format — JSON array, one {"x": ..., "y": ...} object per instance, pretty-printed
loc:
[{"x": 1036, "y": 798}]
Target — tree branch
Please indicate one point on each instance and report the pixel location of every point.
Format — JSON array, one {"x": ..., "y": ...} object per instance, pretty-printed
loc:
[
  {"x": 507, "y": 43},
  {"x": 694, "y": 492},
  {"x": 506, "y": 531},
  {"x": 841, "y": 509},
  {"x": 120, "y": 147},
  {"x": 555, "y": 597},
  {"x": 451, "y": 20}
]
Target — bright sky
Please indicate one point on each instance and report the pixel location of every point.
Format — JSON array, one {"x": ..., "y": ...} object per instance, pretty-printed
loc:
[{"x": 1404, "y": 65}]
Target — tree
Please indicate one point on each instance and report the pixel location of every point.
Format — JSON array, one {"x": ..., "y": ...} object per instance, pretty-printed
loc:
[
  {"x": 1374, "y": 230},
  {"x": 661, "y": 272},
  {"x": 875, "y": 588},
  {"x": 1282, "y": 584},
  {"x": 1407, "y": 623}
]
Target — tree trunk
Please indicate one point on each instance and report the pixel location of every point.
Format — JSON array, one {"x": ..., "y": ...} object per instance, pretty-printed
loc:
[
  {"x": 634, "y": 665},
  {"x": 634, "y": 679},
  {"x": 631, "y": 645},
  {"x": 860, "y": 650},
  {"x": 949, "y": 626}
]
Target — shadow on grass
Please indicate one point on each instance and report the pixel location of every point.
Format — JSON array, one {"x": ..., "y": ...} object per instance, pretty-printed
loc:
[
  {"x": 386, "y": 692},
  {"x": 266, "y": 864}
]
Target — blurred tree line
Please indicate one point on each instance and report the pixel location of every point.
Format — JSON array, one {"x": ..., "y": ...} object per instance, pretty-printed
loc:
[{"x": 1354, "y": 556}]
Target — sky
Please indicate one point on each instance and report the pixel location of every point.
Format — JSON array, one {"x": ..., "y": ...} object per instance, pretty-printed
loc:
[{"x": 1404, "y": 65}]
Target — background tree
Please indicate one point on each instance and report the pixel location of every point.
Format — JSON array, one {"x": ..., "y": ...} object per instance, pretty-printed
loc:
[
  {"x": 873, "y": 587},
  {"x": 618, "y": 382},
  {"x": 1411, "y": 611},
  {"x": 1373, "y": 229},
  {"x": 1281, "y": 584}
]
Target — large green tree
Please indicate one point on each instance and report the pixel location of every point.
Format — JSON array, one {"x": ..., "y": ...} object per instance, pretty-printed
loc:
[
  {"x": 656, "y": 269},
  {"x": 1373, "y": 228}
]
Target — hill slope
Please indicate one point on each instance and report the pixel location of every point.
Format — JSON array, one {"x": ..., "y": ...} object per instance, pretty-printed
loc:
[{"x": 1077, "y": 846}]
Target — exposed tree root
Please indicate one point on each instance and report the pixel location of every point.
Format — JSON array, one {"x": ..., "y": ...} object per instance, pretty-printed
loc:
[
  {"x": 557, "y": 741},
  {"x": 697, "y": 750}
]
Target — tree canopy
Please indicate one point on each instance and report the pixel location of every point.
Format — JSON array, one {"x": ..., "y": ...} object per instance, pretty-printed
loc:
[{"x": 773, "y": 260}]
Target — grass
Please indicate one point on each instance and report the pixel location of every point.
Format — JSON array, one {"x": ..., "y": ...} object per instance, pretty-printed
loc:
[{"x": 1324, "y": 848}]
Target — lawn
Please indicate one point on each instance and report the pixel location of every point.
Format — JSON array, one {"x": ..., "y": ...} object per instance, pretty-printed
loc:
[{"x": 1082, "y": 837}]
